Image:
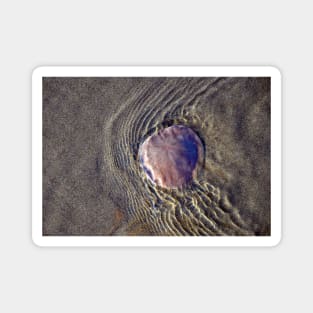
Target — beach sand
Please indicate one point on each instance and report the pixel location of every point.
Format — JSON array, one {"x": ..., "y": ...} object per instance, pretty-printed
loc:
[{"x": 92, "y": 180}]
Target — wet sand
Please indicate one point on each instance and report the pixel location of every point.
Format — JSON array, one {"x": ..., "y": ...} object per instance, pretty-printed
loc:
[{"x": 93, "y": 183}]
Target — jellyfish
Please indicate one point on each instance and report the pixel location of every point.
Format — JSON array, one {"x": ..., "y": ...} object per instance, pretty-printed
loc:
[{"x": 170, "y": 157}]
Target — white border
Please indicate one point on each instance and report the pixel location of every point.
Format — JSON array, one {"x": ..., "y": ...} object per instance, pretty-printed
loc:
[{"x": 141, "y": 71}]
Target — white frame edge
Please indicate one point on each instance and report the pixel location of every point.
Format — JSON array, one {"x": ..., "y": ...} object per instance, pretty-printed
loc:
[{"x": 155, "y": 71}]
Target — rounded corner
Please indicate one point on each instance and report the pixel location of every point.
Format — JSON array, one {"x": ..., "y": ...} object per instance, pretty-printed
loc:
[
  {"x": 36, "y": 241},
  {"x": 276, "y": 241},
  {"x": 37, "y": 71},
  {"x": 275, "y": 71}
]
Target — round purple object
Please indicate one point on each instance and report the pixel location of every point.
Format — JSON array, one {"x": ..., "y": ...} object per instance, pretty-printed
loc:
[{"x": 170, "y": 157}]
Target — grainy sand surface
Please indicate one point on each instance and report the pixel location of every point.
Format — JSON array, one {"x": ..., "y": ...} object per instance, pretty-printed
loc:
[{"x": 92, "y": 181}]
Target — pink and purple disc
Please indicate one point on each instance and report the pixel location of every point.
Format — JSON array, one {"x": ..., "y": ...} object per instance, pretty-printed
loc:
[{"x": 170, "y": 157}]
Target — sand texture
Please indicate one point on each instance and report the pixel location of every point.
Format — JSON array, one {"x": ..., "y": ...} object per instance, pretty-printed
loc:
[{"x": 92, "y": 180}]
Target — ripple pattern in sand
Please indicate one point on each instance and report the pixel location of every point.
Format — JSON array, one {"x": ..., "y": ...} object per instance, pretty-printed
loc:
[{"x": 207, "y": 206}]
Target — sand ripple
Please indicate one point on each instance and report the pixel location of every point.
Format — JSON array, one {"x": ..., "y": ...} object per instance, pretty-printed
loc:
[{"x": 209, "y": 205}]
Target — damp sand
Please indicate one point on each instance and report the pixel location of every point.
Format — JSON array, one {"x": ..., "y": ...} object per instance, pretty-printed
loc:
[{"x": 92, "y": 180}]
